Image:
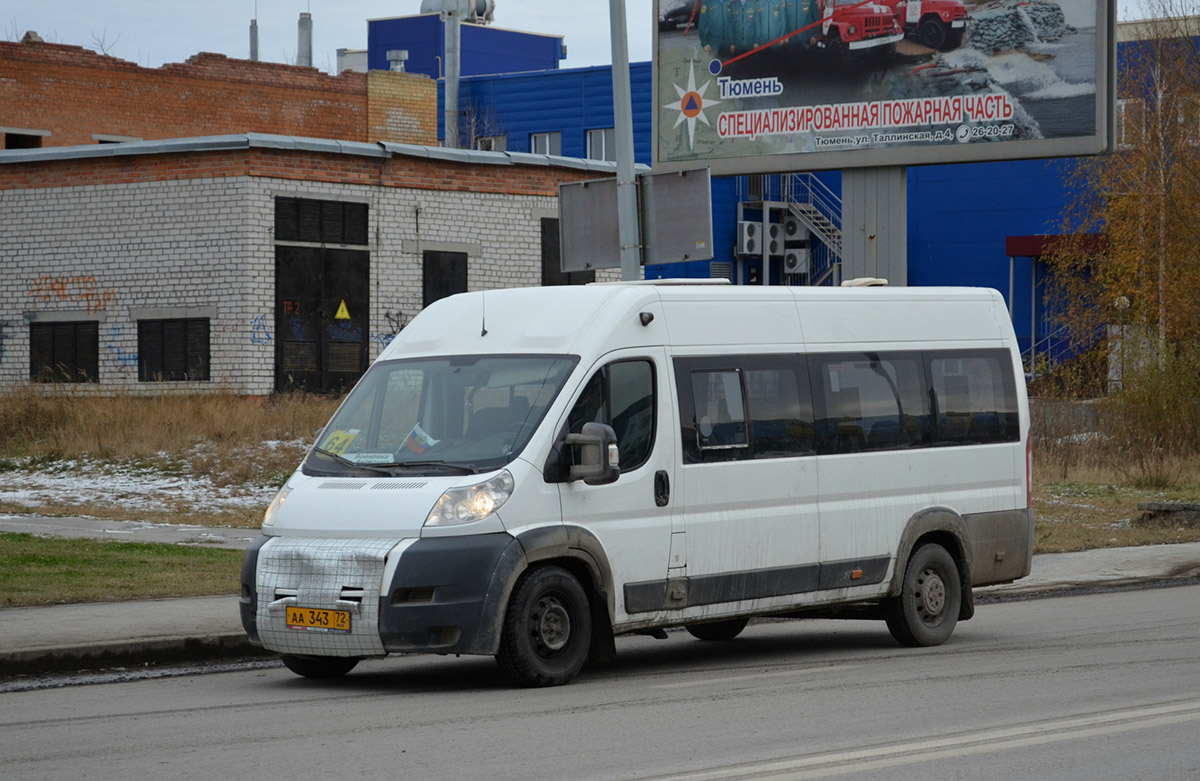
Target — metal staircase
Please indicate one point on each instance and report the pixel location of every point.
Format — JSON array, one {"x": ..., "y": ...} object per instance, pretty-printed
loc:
[{"x": 817, "y": 207}]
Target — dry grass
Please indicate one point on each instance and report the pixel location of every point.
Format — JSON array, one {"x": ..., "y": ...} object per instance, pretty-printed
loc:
[
  {"x": 207, "y": 433},
  {"x": 221, "y": 444}
]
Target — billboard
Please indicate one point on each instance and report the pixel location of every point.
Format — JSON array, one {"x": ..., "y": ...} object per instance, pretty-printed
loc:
[{"x": 760, "y": 86}]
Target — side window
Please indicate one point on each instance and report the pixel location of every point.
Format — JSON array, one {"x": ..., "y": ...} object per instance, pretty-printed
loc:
[
  {"x": 622, "y": 395},
  {"x": 743, "y": 407},
  {"x": 720, "y": 410},
  {"x": 975, "y": 397},
  {"x": 871, "y": 402},
  {"x": 780, "y": 412}
]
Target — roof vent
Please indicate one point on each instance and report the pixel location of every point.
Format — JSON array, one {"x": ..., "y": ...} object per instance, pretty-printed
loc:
[{"x": 477, "y": 11}]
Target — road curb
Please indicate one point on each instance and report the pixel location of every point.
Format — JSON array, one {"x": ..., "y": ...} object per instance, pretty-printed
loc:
[{"x": 125, "y": 653}]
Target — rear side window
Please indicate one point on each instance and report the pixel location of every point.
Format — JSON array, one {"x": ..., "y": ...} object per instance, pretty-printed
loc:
[
  {"x": 744, "y": 407},
  {"x": 975, "y": 397},
  {"x": 870, "y": 401}
]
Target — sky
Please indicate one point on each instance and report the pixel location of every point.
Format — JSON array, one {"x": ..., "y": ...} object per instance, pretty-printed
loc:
[{"x": 153, "y": 32}]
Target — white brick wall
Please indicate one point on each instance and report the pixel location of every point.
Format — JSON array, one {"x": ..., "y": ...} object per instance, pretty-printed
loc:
[{"x": 99, "y": 252}]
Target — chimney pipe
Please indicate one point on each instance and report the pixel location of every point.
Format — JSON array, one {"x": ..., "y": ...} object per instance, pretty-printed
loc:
[
  {"x": 254, "y": 40},
  {"x": 452, "y": 19},
  {"x": 304, "y": 46}
]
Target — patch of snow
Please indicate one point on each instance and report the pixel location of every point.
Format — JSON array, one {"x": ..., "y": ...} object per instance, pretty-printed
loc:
[{"x": 71, "y": 483}]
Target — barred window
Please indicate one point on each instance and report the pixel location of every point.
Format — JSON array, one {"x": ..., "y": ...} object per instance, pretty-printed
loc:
[
  {"x": 320, "y": 222},
  {"x": 64, "y": 352},
  {"x": 173, "y": 350}
]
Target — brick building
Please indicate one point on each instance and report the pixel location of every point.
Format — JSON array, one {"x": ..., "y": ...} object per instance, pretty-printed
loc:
[
  {"x": 56, "y": 95},
  {"x": 284, "y": 226},
  {"x": 253, "y": 263}
]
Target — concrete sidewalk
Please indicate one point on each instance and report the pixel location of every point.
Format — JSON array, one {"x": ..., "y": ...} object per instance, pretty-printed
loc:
[{"x": 76, "y": 637}]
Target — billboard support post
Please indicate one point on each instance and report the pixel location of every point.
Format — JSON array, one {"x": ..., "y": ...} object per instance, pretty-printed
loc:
[
  {"x": 875, "y": 223},
  {"x": 627, "y": 216}
]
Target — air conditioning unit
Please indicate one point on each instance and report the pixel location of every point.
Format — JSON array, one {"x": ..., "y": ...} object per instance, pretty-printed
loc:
[
  {"x": 775, "y": 239},
  {"x": 792, "y": 229},
  {"x": 749, "y": 238},
  {"x": 796, "y": 260}
]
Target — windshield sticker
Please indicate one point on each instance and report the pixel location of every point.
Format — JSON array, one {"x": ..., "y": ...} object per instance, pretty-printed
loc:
[
  {"x": 371, "y": 458},
  {"x": 338, "y": 441},
  {"x": 418, "y": 440}
]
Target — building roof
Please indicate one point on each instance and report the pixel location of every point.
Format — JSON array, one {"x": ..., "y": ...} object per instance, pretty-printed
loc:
[{"x": 328, "y": 146}]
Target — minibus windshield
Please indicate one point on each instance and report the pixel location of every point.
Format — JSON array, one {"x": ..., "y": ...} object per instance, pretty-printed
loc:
[{"x": 445, "y": 415}]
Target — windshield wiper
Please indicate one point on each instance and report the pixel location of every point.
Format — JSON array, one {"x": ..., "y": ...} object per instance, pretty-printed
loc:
[
  {"x": 462, "y": 469},
  {"x": 378, "y": 469}
]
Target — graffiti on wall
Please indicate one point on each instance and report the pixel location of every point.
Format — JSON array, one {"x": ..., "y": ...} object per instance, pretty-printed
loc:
[
  {"x": 121, "y": 360},
  {"x": 395, "y": 322},
  {"x": 260, "y": 332},
  {"x": 52, "y": 289}
]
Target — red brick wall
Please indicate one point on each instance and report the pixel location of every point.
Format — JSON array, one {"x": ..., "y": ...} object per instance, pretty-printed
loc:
[
  {"x": 75, "y": 93},
  {"x": 406, "y": 172}
]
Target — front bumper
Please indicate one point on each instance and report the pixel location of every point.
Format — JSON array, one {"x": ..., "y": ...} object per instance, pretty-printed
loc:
[{"x": 446, "y": 594}]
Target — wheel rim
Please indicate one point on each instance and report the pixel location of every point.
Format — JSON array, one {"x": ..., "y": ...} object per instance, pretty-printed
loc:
[
  {"x": 931, "y": 35},
  {"x": 551, "y": 625},
  {"x": 931, "y": 596}
]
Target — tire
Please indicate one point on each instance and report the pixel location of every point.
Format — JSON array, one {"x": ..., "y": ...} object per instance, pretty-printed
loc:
[
  {"x": 547, "y": 629},
  {"x": 718, "y": 630},
  {"x": 927, "y": 609},
  {"x": 931, "y": 32},
  {"x": 320, "y": 666},
  {"x": 839, "y": 54}
]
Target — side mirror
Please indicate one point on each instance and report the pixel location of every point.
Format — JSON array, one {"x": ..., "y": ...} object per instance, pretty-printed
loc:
[{"x": 598, "y": 459}]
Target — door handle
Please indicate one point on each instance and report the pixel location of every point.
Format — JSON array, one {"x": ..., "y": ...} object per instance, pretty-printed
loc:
[{"x": 662, "y": 489}]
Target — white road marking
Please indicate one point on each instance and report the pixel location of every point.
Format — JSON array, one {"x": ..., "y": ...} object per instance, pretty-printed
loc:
[
  {"x": 839, "y": 763},
  {"x": 756, "y": 676}
]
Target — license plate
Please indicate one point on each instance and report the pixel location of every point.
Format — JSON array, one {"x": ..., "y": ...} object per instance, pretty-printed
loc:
[{"x": 311, "y": 619}]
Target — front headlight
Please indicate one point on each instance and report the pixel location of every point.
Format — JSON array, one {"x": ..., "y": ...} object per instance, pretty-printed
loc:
[
  {"x": 472, "y": 503},
  {"x": 273, "y": 507}
]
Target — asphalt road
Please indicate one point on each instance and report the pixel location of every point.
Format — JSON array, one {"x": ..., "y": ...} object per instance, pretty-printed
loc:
[{"x": 1105, "y": 686}]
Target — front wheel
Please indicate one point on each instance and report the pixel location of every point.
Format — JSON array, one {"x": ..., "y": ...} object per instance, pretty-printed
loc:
[
  {"x": 319, "y": 666},
  {"x": 926, "y": 611},
  {"x": 547, "y": 629},
  {"x": 718, "y": 630}
]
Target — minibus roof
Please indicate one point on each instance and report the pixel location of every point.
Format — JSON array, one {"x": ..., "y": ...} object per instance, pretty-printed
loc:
[{"x": 593, "y": 319}]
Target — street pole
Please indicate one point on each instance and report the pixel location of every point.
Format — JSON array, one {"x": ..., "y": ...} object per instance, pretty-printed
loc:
[{"x": 627, "y": 215}]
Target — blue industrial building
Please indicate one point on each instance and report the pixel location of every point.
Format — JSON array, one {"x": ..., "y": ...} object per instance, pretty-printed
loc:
[{"x": 968, "y": 224}]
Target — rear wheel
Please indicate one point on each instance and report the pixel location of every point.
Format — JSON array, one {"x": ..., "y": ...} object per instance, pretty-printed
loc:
[
  {"x": 547, "y": 629},
  {"x": 926, "y": 611},
  {"x": 931, "y": 32},
  {"x": 718, "y": 630},
  {"x": 320, "y": 666}
]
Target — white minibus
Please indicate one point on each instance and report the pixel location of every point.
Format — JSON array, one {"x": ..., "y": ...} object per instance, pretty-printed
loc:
[{"x": 527, "y": 473}]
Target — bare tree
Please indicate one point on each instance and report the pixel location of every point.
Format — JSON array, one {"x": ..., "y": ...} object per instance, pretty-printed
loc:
[
  {"x": 102, "y": 43},
  {"x": 480, "y": 128}
]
